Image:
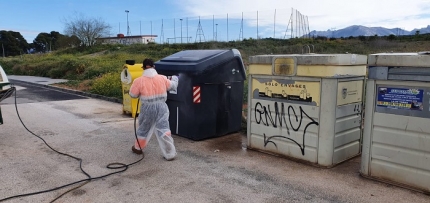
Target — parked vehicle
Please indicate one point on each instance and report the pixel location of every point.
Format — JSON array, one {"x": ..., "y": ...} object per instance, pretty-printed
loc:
[
  {"x": 4, "y": 84},
  {"x": 5, "y": 89}
]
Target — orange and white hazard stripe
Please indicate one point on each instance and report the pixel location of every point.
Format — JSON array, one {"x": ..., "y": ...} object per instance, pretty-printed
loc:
[{"x": 196, "y": 94}]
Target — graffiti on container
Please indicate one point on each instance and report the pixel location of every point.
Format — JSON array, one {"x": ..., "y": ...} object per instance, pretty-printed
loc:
[
  {"x": 263, "y": 114},
  {"x": 357, "y": 109}
]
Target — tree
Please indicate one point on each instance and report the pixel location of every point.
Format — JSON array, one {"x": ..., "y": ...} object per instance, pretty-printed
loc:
[
  {"x": 55, "y": 36},
  {"x": 87, "y": 29},
  {"x": 362, "y": 38},
  {"x": 391, "y": 37},
  {"x": 42, "y": 42},
  {"x": 67, "y": 41},
  {"x": 373, "y": 38},
  {"x": 53, "y": 41},
  {"x": 13, "y": 43}
]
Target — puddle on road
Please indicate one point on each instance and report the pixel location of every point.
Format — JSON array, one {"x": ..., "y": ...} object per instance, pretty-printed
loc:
[{"x": 232, "y": 142}]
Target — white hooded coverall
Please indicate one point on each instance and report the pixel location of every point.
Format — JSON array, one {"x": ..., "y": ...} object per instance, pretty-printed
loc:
[{"x": 152, "y": 89}]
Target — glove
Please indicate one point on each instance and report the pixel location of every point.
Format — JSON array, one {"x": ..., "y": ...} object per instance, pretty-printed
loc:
[{"x": 174, "y": 78}]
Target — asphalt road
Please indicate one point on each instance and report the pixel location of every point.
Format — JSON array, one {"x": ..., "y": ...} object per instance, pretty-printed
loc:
[
  {"x": 31, "y": 94},
  {"x": 213, "y": 170}
]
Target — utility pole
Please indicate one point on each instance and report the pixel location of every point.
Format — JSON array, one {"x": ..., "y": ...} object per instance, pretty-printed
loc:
[
  {"x": 187, "y": 31},
  {"x": 162, "y": 31},
  {"x": 274, "y": 25},
  {"x": 128, "y": 27},
  {"x": 2, "y": 48},
  {"x": 257, "y": 24},
  {"x": 174, "y": 30},
  {"x": 227, "y": 27},
  {"x": 213, "y": 27},
  {"x": 241, "y": 29},
  {"x": 181, "y": 29},
  {"x": 216, "y": 32}
]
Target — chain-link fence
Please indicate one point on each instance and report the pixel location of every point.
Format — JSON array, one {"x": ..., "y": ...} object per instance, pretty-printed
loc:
[{"x": 279, "y": 23}]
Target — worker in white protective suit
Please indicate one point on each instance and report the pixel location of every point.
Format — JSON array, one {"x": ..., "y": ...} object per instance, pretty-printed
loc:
[{"x": 152, "y": 89}]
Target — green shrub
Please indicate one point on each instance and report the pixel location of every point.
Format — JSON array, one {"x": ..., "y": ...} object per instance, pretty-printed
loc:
[
  {"x": 91, "y": 72},
  {"x": 108, "y": 85},
  {"x": 8, "y": 65},
  {"x": 16, "y": 70},
  {"x": 57, "y": 72}
]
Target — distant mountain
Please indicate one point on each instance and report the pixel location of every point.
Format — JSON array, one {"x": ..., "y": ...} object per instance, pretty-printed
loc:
[
  {"x": 357, "y": 30},
  {"x": 422, "y": 30}
]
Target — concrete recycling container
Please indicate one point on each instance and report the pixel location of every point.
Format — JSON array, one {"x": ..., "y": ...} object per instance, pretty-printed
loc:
[
  {"x": 306, "y": 107},
  {"x": 396, "y": 138},
  {"x": 208, "y": 101}
]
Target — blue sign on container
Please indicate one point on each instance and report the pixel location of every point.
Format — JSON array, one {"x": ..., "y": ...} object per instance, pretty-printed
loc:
[{"x": 400, "y": 98}]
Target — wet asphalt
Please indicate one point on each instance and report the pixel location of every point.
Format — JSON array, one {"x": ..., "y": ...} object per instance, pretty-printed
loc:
[{"x": 27, "y": 93}]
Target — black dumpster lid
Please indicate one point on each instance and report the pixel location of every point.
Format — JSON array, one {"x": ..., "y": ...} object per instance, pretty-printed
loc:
[
  {"x": 193, "y": 55},
  {"x": 194, "y": 61}
]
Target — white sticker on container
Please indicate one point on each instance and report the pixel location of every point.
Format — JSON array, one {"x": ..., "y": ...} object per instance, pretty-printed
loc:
[{"x": 353, "y": 58}]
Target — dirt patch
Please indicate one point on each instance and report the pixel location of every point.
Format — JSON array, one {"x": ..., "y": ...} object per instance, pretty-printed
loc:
[
  {"x": 94, "y": 54},
  {"x": 78, "y": 192},
  {"x": 83, "y": 86}
]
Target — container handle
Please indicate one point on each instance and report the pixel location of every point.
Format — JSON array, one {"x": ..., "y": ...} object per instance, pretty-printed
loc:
[{"x": 284, "y": 65}]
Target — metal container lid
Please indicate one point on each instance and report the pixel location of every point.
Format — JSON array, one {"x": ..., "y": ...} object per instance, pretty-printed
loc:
[
  {"x": 419, "y": 59},
  {"x": 314, "y": 59}
]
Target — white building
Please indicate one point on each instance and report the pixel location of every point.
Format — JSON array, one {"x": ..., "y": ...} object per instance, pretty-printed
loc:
[{"x": 121, "y": 39}]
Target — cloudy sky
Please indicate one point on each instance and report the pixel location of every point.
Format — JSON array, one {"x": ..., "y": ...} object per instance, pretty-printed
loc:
[{"x": 162, "y": 17}]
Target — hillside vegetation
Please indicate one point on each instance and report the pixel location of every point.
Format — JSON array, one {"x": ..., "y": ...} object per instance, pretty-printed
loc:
[{"x": 97, "y": 69}]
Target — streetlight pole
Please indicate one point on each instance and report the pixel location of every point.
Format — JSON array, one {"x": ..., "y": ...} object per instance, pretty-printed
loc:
[
  {"x": 128, "y": 28},
  {"x": 216, "y": 32},
  {"x": 181, "y": 29}
]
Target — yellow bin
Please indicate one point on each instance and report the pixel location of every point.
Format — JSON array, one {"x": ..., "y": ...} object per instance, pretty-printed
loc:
[{"x": 130, "y": 71}]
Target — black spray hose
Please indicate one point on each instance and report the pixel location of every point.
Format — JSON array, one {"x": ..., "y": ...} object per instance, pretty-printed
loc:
[{"x": 115, "y": 165}]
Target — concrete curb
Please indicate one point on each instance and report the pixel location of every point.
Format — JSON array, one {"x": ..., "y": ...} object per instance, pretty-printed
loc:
[{"x": 70, "y": 91}]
